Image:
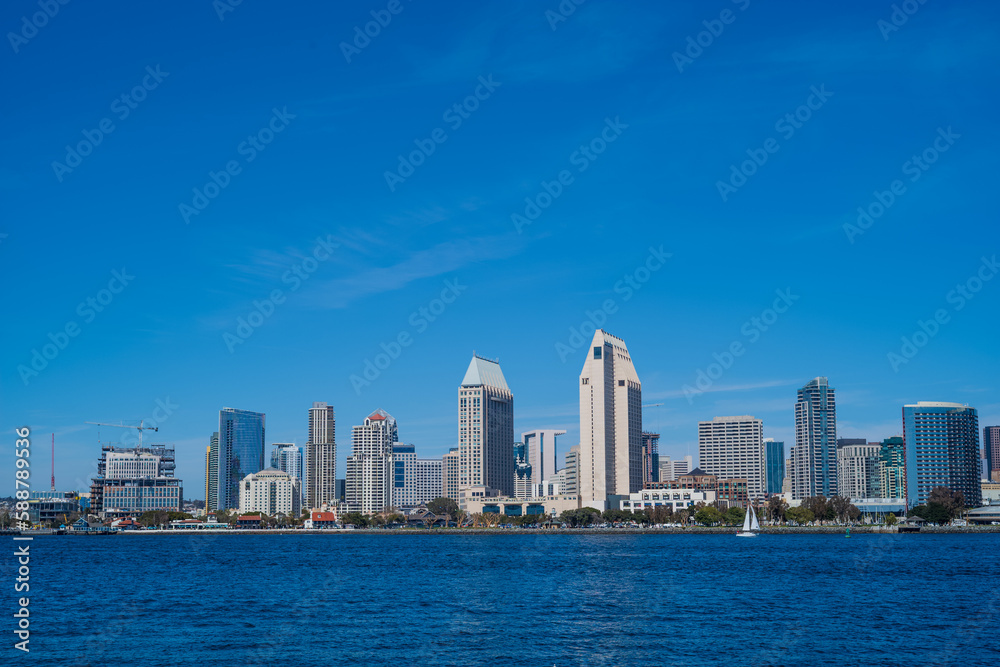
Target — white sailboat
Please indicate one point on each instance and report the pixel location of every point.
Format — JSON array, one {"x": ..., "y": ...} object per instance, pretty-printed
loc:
[{"x": 750, "y": 525}]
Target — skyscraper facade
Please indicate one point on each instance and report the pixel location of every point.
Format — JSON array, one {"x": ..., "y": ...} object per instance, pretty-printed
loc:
[
  {"x": 212, "y": 473},
  {"x": 650, "y": 457},
  {"x": 370, "y": 465},
  {"x": 814, "y": 456},
  {"x": 571, "y": 472},
  {"x": 774, "y": 465},
  {"x": 610, "y": 422},
  {"x": 414, "y": 480},
  {"x": 892, "y": 468},
  {"x": 733, "y": 448},
  {"x": 486, "y": 428},
  {"x": 942, "y": 449},
  {"x": 321, "y": 456},
  {"x": 449, "y": 474},
  {"x": 857, "y": 471},
  {"x": 241, "y": 452},
  {"x": 991, "y": 452},
  {"x": 541, "y": 453}
]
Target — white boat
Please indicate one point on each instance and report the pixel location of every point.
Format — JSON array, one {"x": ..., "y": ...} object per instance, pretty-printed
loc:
[{"x": 750, "y": 525}]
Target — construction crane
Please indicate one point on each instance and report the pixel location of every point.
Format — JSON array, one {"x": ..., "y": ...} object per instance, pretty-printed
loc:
[{"x": 140, "y": 427}]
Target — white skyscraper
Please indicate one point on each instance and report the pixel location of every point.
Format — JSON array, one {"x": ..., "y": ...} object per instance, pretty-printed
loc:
[
  {"x": 414, "y": 481},
  {"x": 368, "y": 486},
  {"x": 858, "y": 471},
  {"x": 610, "y": 422},
  {"x": 321, "y": 456},
  {"x": 814, "y": 456},
  {"x": 733, "y": 448},
  {"x": 486, "y": 428},
  {"x": 541, "y": 446}
]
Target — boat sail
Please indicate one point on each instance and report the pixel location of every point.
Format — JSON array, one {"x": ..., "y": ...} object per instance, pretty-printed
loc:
[{"x": 750, "y": 524}]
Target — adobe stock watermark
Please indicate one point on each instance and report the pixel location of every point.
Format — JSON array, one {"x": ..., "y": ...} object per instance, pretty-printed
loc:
[
  {"x": 381, "y": 18},
  {"x": 751, "y": 330},
  {"x": 163, "y": 411},
  {"x": 914, "y": 168},
  {"x": 419, "y": 320},
  {"x": 901, "y": 13},
  {"x": 563, "y": 11},
  {"x": 249, "y": 148},
  {"x": 581, "y": 335},
  {"x": 454, "y": 115},
  {"x": 696, "y": 44},
  {"x": 223, "y": 7},
  {"x": 958, "y": 298},
  {"x": 787, "y": 125},
  {"x": 122, "y": 106},
  {"x": 263, "y": 309},
  {"x": 38, "y": 20},
  {"x": 581, "y": 158},
  {"x": 87, "y": 310}
]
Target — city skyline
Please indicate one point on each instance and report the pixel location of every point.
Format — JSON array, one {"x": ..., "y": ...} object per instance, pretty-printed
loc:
[{"x": 156, "y": 306}]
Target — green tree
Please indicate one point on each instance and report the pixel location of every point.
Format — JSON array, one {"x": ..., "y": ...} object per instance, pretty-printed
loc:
[
  {"x": 891, "y": 520},
  {"x": 734, "y": 516},
  {"x": 819, "y": 507},
  {"x": 952, "y": 502},
  {"x": 776, "y": 508},
  {"x": 708, "y": 516},
  {"x": 801, "y": 515},
  {"x": 356, "y": 519}
]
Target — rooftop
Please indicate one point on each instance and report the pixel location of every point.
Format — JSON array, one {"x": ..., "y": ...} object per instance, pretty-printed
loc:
[{"x": 484, "y": 372}]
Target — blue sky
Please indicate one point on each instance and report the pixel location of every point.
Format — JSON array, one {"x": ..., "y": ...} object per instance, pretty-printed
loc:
[{"x": 597, "y": 100}]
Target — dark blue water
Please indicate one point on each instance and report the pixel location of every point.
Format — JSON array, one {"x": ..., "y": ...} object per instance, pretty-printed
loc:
[{"x": 513, "y": 600}]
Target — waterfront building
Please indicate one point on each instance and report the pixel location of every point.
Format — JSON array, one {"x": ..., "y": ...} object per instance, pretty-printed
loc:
[
  {"x": 650, "y": 457},
  {"x": 814, "y": 456},
  {"x": 271, "y": 492},
  {"x": 320, "y": 484},
  {"x": 53, "y": 507},
  {"x": 414, "y": 480},
  {"x": 727, "y": 492},
  {"x": 991, "y": 452},
  {"x": 942, "y": 449},
  {"x": 610, "y": 422},
  {"x": 241, "y": 452},
  {"x": 476, "y": 501},
  {"x": 212, "y": 473},
  {"x": 571, "y": 472},
  {"x": 892, "y": 468},
  {"x": 542, "y": 449},
  {"x": 676, "y": 499},
  {"x": 133, "y": 480},
  {"x": 857, "y": 470},
  {"x": 733, "y": 448},
  {"x": 485, "y": 428},
  {"x": 449, "y": 474},
  {"x": 286, "y": 457},
  {"x": 370, "y": 466},
  {"x": 774, "y": 465}
]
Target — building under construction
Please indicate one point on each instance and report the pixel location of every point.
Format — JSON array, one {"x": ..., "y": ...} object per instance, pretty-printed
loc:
[{"x": 133, "y": 480}]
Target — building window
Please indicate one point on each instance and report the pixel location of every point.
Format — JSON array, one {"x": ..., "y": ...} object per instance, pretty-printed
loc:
[{"x": 597, "y": 353}]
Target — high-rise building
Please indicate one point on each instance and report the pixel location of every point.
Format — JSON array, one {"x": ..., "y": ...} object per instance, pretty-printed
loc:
[
  {"x": 733, "y": 448},
  {"x": 610, "y": 422},
  {"x": 414, "y": 480},
  {"x": 650, "y": 457},
  {"x": 286, "y": 457},
  {"x": 370, "y": 465},
  {"x": 892, "y": 468},
  {"x": 485, "y": 428},
  {"x": 522, "y": 471},
  {"x": 774, "y": 465},
  {"x": 449, "y": 474},
  {"x": 241, "y": 452},
  {"x": 541, "y": 453},
  {"x": 857, "y": 470},
  {"x": 991, "y": 452},
  {"x": 321, "y": 456},
  {"x": 212, "y": 473},
  {"x": 844, "y": 442},
  {"x": 271, "y": 492},
  {"x": 942, "y": 449},
  {"x": 133, "y": 480},
  {"x": 681, "y": 466},
  {"x": 814, "y": 456},
  {"x": 571, "y": 472}
]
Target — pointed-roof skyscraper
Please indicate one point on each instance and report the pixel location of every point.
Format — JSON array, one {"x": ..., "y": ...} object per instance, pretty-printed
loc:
[
  {"x": 486, "y": 428},
  {"x": 610, "y": 460}
]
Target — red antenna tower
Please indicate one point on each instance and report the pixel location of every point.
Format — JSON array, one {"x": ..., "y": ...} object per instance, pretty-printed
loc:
[{"x": 53, "y": 462}]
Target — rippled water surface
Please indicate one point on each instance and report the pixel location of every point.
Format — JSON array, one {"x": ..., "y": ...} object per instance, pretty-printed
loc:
[{"x": 514, "y": 600}]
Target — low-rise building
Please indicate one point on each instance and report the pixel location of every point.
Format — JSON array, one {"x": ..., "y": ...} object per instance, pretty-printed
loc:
[
  {"x": 542, "y": 505},
  {"x": 677, "y": 499},
  {"x": 321, "y": 519}
]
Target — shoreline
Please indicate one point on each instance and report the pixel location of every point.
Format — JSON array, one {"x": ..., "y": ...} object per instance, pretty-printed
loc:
[{"x": 701, "y": 530}]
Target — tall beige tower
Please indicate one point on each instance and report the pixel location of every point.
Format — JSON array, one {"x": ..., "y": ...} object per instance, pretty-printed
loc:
[{"x": 610, "y": 461}]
